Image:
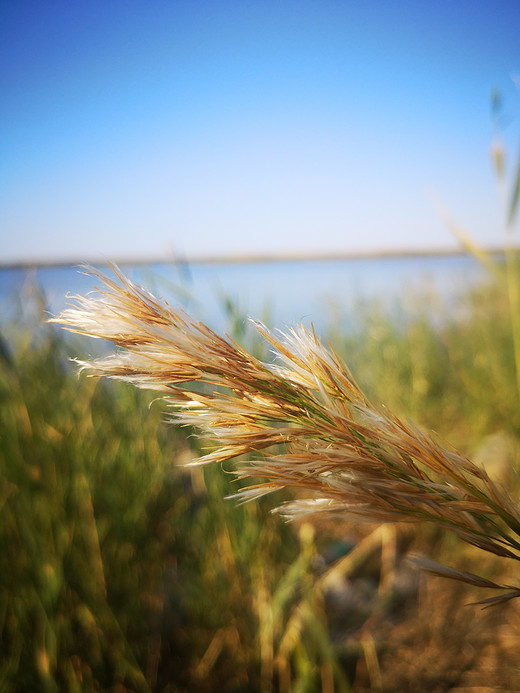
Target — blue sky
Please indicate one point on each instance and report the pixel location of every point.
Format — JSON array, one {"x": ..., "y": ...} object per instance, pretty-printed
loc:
[{"x": 155, "y": 130}]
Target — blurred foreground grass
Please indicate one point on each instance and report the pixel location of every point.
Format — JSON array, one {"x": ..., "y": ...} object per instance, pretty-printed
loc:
[{"x": 122, "y": 571}]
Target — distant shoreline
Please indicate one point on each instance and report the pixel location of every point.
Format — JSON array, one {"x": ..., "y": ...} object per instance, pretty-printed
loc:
[{"x": 247, "y": 258}]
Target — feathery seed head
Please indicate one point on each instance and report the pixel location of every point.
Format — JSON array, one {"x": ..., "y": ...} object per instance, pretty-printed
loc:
[{"x": 303, "y": 419}]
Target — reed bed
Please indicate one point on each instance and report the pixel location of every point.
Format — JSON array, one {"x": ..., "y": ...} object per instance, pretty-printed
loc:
[
  {"x": 302, "y": 421},
  {"x": 125, "y": 569}
]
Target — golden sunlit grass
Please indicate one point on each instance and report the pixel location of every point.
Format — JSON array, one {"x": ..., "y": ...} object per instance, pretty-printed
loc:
[
  {"x": 124, "y": 570},
  {"x": 302, "y": 420}
]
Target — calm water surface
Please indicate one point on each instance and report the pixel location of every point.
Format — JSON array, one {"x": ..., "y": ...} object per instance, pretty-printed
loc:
[{"x": 321, "y": 292}]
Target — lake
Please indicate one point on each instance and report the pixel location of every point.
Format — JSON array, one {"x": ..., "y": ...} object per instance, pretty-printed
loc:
[{"x": 281, "y": 292}]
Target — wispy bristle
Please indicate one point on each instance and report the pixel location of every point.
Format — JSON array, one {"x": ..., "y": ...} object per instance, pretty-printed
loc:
[{"x": 303, "y": 419}]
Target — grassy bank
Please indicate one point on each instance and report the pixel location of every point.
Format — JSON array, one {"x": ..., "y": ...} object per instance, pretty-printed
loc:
[{"x": 123, "y": 571}]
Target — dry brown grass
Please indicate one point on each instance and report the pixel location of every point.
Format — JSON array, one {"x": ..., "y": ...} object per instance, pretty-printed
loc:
[{"x": 302, "y": 420}]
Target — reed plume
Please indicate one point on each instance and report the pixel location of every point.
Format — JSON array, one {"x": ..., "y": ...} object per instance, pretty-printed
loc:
[{"x": 301, "y": 418}]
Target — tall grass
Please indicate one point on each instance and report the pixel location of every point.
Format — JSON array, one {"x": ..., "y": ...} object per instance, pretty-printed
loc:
[
  {"x": 122, "y": 570},
  {"x": 314, "y": 428}
]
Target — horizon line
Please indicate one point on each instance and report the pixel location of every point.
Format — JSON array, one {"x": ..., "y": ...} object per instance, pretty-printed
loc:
[{"x": 249, "y": 258}]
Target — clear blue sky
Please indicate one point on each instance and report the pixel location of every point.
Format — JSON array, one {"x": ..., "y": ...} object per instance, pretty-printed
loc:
[{"x": 157, "y": 129}]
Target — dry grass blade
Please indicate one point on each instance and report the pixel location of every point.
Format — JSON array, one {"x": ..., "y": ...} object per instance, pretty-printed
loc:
[
  {"x": 303, "y": 419},
  {"x": 444, "y": 571}
]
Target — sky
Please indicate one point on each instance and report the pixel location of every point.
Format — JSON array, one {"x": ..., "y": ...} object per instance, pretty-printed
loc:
[{"x": 162, "y": 130}]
